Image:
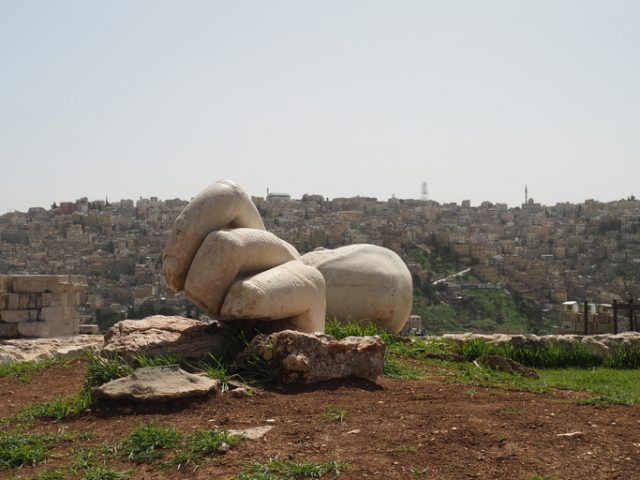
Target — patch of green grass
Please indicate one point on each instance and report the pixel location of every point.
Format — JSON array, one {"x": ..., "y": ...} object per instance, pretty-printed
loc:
[
  {"x": 49, "y": 475},
  {"x": 280, "y": 470},
  {"x": 142, "y": 360},
  {"x": 99, "y": 472},
  {"x": 104, "y": 368},
  {"x": 405, "y": 449},
  {"x": 333, "y": 414},
  {"x": 24, "y": 370},
  {"x": 469, "y": 374},
  {"x": 514, "y": 411},
  {"x": 147, "y": 442},
  {"x": 394, "y": 367},
  {"x": 340, "y": 330},
  {"x": 59, "y": 408},
  {"x": 215, "y": 368},
  {"x": 20, "y": 449},
  {"x": 623, "y": 357},
  {"x": 610, "y": 386},
  {"x": 541, "y": 355},
  {"x": 202, "y": 445}
]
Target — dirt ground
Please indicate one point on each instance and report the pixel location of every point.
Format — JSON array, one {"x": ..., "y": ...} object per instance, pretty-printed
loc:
[{"x": 394, "y": 429}]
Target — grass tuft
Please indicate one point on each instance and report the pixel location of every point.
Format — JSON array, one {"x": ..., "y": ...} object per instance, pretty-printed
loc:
[
  {"x": 19, "y": 449},
  {"x": 104, "y": 368},
  {"x": 146, "y": 442},
  {"x": 23, "y": 370},
  {"x": 395, "y": 368},
  {"x": 333, "y": 414},
  {"x": 340, "y": 330},
  {"x": 202, "y": 445},
  {"x": 280, "y": 470},
  {"x": 214, "y": 368},
  {"x": 59, "y": 408}
]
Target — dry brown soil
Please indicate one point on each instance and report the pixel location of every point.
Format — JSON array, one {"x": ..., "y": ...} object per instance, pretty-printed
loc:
[{"x": 395, "y": 429}]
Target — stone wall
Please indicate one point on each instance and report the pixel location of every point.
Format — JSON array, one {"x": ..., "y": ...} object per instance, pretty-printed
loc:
[{"x": 40, "y": 305}]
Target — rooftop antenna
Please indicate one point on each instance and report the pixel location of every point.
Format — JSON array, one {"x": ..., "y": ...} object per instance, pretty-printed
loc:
[
  {"x": 425, "y": 191},
  {"x": 526, "y": 195}
]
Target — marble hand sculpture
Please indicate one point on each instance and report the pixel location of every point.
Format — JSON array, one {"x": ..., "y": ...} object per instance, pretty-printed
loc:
[{"x": 221, "y": 256}]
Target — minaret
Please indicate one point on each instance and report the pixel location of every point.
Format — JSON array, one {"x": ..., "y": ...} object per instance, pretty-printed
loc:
[{"x": 526, "y": 195}]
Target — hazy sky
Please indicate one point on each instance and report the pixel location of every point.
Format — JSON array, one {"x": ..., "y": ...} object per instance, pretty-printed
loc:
[{"x": 342, "y": 98}]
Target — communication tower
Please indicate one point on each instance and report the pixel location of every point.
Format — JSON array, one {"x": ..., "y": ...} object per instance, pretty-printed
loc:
[{"x": 425, "y": 191}]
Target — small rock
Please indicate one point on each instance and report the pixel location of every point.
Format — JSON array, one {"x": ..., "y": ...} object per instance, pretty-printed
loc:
[
  {"x": 502, "y": 364},
  {"x": 241, "y": 392},
  {"x": 570, "y": 435},
  {"x": 253, "y": 433}
]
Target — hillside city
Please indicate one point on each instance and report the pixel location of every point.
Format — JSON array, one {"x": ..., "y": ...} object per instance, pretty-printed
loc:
[{"x": 515, "y": 265}]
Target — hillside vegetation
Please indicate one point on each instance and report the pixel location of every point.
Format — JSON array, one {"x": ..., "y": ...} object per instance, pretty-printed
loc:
[{"x": 465, "y": 303}]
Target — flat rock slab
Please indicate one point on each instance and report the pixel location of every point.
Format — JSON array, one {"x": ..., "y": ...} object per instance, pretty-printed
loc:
[
  {"x": 156, "y": 384},
  {"x": 26, "y": 350},
  {"x": 158, "y": 335},
  {"x": 303, "y": 358}
]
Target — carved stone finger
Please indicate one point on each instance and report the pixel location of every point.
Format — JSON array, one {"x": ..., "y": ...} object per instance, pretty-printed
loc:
[{"x": 221, "y": 205}]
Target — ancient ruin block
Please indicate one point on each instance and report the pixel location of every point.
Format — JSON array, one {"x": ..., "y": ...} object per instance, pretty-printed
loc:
[
  {"x": 33, "y": 329},
  {"x": 48, "y": 283},
  {"x": 14, "y": 316},
  {"x": 51, "y": 314},
  {"x": 35, "y": 300},
  {"x": 46, "y": 299},
  {"x": 23, "y": 302},
  {"x": 40, "y": 305},
  {"x": 13, "y": 301},
  {"x": 8, "y": 330}
]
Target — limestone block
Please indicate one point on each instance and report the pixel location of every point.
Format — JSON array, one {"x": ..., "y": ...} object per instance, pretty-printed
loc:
[
  {"x": 62, "y": 321},
  {"x": 13, "y": 302},
  {"x": 33, "y": 329},
  {"x": 23, "y": 301},
  {"x": 35, "y": 283},
  {"x": 52, "y": 314},
  {"x": 220, "y": 206},
  {"x": 35, "y": 300},
  {"x": 14, "y": 316},
  {"x": 8, "y": 330},
  {"x": 181, "y": 337},
  {"x": 156, "y": 384},
  {"x": 308, "y": 358},
  {"x": 48, "y": 283},
  {"x": 4, "y": 301},
  {"x": 365, "y": 282},
  {"x": 46, "y": 299},
  {"x": 34, "y": 315}
]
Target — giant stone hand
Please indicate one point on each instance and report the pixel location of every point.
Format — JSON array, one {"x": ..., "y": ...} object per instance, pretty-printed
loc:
[{"x": 219, "y": 253}]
